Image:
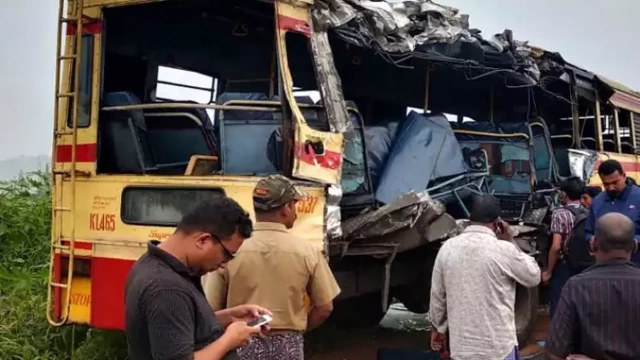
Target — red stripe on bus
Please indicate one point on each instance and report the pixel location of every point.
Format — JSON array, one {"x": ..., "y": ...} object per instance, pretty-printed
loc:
[
  {"x": 287, "y": 23},
  {"x": 84, "y": 153},
  {"x": 92, "y": 27},
  {"x": 329, "y": 160},
  {"x": 79, "y": 245},
  {"x": 108, "y": 277}
]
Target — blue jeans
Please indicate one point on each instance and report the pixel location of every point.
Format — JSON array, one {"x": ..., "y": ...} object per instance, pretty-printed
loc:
[{"x": 560, "y": 276}]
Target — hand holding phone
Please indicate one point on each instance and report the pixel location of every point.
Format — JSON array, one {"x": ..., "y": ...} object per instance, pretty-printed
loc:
[{"x": 261, "y": 321}]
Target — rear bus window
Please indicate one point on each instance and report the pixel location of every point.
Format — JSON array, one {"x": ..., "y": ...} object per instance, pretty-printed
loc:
[
  {"x": 84, "y": 93},
  {"x": 161, "y": 206}
]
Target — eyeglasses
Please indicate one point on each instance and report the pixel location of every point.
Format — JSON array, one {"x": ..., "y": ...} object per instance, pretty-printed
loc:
[{"x": 228, "y": 255}]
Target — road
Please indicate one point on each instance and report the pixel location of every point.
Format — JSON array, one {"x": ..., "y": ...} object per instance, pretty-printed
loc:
[{"x": 400, "y": 329}]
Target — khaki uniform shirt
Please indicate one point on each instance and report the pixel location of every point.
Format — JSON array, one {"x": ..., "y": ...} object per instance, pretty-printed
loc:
[{"x": 275, "y": 270}]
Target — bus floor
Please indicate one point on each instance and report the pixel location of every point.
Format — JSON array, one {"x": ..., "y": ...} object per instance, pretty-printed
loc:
[{"x": 363, "y": 344}]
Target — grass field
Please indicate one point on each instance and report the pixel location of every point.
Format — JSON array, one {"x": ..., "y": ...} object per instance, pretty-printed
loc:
[{"x": 25, "y": 224}]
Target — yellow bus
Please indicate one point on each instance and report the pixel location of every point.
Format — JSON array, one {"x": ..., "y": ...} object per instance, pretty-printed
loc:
[{"x": 127, "y": 165}]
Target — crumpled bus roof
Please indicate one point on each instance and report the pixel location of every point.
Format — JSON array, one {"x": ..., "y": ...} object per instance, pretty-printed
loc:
[{"x": 423, "y": 29}]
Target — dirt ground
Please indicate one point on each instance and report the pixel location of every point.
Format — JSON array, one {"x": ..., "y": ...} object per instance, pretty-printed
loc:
[{"x": 363, "y": 344}]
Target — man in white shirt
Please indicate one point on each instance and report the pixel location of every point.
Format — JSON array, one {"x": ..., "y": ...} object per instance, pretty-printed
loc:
[{"x": 474, "y": 284}]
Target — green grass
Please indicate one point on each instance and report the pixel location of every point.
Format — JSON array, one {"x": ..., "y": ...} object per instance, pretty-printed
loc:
[{"x": 25, "y": 226}]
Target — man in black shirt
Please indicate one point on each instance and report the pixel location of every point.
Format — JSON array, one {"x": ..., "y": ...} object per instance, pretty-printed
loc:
[
  {"x": 598, "y": 314},
  {"x": 167, "y": 316}
]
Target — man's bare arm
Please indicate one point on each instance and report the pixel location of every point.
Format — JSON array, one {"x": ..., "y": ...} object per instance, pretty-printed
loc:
[{"x": 318, "y": 315}]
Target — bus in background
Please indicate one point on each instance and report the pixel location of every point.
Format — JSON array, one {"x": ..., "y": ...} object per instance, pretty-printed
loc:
[{"x": 600, "y": 121}]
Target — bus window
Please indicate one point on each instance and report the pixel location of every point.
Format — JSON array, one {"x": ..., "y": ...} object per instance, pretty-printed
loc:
[
  {"x": 183, "y": 85},
  {"x": 84, "y": 94},
  {"x": 160, "y": 206}
]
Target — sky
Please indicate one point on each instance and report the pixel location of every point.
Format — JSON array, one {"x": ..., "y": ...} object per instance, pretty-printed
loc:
[{"x": 596, "y": 35}]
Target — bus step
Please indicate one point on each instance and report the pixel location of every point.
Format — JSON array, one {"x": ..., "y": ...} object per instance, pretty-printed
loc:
[{"x": 59, "y": 285}]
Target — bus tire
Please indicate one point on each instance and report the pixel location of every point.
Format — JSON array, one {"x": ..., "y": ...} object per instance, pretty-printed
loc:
[{"x": 526, "y": 312}]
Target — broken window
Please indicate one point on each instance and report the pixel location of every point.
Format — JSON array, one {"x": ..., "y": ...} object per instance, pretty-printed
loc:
[
  {"x": 353, "y": 165},
  {"x": 509, "y": 164},
  {"x": 183, "y": 85}
]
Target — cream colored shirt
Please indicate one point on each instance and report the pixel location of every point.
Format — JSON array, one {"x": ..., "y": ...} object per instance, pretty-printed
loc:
[
  {"x": 473, "y": 293},
  {"x": 275, "y": 270}
]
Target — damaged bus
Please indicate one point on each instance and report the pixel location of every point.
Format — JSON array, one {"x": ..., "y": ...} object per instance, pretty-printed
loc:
[
  {"x": 316, "y": 90},
  {"x": 591, "y": 119}
]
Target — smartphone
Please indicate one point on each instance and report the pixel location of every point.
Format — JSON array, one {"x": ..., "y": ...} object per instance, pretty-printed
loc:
[{"x": 261, "y": 321}]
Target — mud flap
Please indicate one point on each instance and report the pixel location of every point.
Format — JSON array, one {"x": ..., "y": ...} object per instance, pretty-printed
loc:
[{"x": 317, "y": 155}]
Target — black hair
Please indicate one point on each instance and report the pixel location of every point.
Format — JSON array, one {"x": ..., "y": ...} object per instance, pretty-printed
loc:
[
  {"x": 615, "y": 231},
  {"x": 485, "y": 209},
  {"x": 573, "y": 187},
  {"x": 610, "y": 166},
  {"x": 220, "y": 216},
  {"x": 592, "y": 191}
]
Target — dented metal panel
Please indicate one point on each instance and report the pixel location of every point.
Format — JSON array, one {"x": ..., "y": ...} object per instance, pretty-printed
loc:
[
  {"x": 317, "y": 155},
  {"x": 623, "y": 97}
]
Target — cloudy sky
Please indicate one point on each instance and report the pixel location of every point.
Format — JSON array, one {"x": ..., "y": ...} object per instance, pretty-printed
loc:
[{"x": 600, "y": 36}]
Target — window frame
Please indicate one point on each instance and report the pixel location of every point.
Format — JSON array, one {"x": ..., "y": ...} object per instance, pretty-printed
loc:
[
  {"x": 88, "y": 60},
  {"x": 129, "y": 189}
]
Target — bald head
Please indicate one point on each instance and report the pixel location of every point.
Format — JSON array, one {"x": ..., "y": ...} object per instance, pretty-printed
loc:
[{"x": 615, "y": 231}]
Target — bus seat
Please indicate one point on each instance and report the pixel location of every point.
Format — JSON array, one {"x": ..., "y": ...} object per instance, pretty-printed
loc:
[
  {"x": 176, "y": 134},
  {"x": 124, "y": 147},
  {"x": 242, "y": 114},
  {"x": 588, "y": 143},
  {"x": 244, "y": 136},
  {"x": 627, "y": 148},
  {"x": 314, "y": 116},
  {"x": 609, "y": 145},
  {"x": 201, "y": 114}
]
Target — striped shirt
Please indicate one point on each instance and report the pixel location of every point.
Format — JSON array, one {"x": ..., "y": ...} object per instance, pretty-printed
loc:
[
  {"x": 599, "y": 314},
  {"x": 562, "y": 220},
  {"x": 473, "y": 291}
]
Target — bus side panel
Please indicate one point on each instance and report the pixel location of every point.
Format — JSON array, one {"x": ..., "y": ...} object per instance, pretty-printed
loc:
[{"x": 107, "y": 243}]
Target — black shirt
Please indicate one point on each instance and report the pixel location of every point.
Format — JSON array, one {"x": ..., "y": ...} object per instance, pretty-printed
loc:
[
  {"x": 599, "y": 314},
  {"x": 167, "y": 316}
]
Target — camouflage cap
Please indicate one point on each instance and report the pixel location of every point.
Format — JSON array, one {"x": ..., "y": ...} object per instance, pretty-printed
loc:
[{"x": 275, "y": 191}]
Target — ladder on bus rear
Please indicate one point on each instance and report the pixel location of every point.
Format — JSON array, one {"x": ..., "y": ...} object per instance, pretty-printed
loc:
[{"x": 74, "y": 21}]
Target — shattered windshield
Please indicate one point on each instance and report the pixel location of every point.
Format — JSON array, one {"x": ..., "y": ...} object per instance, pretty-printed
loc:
[
  {"x": 509, "y": 164},
  {"x": 353, "y": 168}
]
